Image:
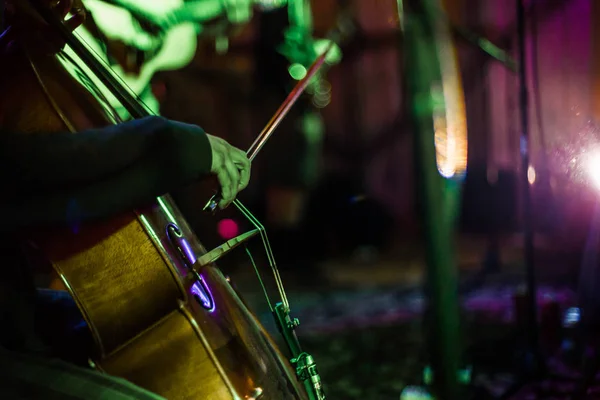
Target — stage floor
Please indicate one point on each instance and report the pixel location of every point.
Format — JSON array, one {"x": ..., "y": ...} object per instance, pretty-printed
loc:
[{"x": 363, "y": 323}]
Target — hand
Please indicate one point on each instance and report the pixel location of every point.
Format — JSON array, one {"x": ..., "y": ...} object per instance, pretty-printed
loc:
[{"x": 232, "y": 168}]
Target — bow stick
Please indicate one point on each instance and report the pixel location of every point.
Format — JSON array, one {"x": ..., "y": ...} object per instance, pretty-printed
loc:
[{"x": 279, "y": 115}]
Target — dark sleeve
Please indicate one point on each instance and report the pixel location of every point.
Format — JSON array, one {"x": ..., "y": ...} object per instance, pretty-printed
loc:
[{"x": 72, "y": 178}]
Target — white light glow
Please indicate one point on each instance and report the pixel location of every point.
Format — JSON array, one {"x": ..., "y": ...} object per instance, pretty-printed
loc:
[
  {"x": 531, "y": 175},
  {"x": 592, "y": 166}
]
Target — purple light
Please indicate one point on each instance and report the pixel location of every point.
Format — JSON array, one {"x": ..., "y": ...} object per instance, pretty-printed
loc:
[
  {"x": 189, "y": 253},
  {"x": 201, "y": 291}
]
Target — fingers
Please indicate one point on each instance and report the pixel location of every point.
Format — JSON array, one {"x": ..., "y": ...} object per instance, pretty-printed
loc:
[
  {"x": 227, "y": 188},
  {"x": 242, "y": 164},
  {"x": 234, "y": 181},
  {"x": 232, "y": 168},
  {"x": 244, "y": 179}
]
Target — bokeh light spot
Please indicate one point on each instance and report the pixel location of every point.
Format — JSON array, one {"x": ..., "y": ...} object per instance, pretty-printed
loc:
[
  {"x": 297, "y": 71},
  {"x": 531, "y": 175},
  {"x": 593, "y": 167},
  {"x": 228, "y": 228}
]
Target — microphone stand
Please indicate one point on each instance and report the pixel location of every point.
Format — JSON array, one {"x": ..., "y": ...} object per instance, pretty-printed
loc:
[
  {"x": 534, "y": 363},
  {"x": 419, "y": 41},
  {"x": 421, "y": 31},
  {"x": 487, "y": 47},
  {"x": 528, "y": 222}
]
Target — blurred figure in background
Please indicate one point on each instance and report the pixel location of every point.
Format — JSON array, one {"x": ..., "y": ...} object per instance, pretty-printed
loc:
[
  {"x": 293, "y": 158},
  {"x": 139, "y": 38}
]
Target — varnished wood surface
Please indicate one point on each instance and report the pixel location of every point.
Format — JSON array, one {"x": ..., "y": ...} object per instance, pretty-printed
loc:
[{"x": 170, "y": 352}]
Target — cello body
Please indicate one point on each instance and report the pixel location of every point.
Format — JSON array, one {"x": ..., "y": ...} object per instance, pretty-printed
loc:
[{"x": 180, "y": 334}]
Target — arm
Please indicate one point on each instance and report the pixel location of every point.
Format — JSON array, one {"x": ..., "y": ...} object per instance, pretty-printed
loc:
[{"x": 62, "y": 178}]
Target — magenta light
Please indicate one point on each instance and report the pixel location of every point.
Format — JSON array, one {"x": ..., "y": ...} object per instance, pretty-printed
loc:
[{"x": 228, "y": 229}]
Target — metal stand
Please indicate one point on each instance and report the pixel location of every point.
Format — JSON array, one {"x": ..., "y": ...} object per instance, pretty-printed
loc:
[
  {"x": 528, "y": 222},
  {"x": 421, "y": 31},
  {"x": 306, "y": 368},
  {"x": 534, "y": 365},
  {"x": 423, "y": 72}
]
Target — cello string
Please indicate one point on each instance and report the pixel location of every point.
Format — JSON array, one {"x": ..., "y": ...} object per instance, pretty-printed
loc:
[
  {"x": 262, "y": 236},
  {"x": 266, "y": 246},
  {"x": 115, "y": 74},
  {"x": 260, "y": 280},
  {"x": 237, "y": 203},
  {"x": 268, "y": 250}
]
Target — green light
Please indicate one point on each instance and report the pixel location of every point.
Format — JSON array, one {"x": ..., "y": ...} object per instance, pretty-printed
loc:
[
  {"x": 267, "y": 5},
  {"x": 335, "y": 53},
  {"x": 297, "y": 71},
  {"x": 165, "y": 209}
]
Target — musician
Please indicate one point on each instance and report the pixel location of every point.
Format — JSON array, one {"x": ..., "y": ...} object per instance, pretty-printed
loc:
[
  {"x": 292, "y": 159},
  {"x": 139, "y": 38},
  {"x": 57, "y": 179}
]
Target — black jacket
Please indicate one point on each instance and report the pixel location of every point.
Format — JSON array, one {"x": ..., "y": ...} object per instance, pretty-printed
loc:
[{"x": 58, "y": 179}]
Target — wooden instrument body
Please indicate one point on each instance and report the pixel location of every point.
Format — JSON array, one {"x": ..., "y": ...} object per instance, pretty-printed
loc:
[{"x": 152, "y": 321}]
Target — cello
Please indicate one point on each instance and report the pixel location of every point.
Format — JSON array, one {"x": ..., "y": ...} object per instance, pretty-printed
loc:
[{"x": 160, "y": 312}]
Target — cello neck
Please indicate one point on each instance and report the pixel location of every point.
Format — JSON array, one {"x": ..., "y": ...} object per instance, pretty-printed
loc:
[{"x": 129, "y": 102}]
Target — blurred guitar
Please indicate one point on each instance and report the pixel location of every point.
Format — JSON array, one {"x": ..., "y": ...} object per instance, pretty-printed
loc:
[
  {"x": 139, "y": 38},
  {"x": 137, "y": 45}
]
